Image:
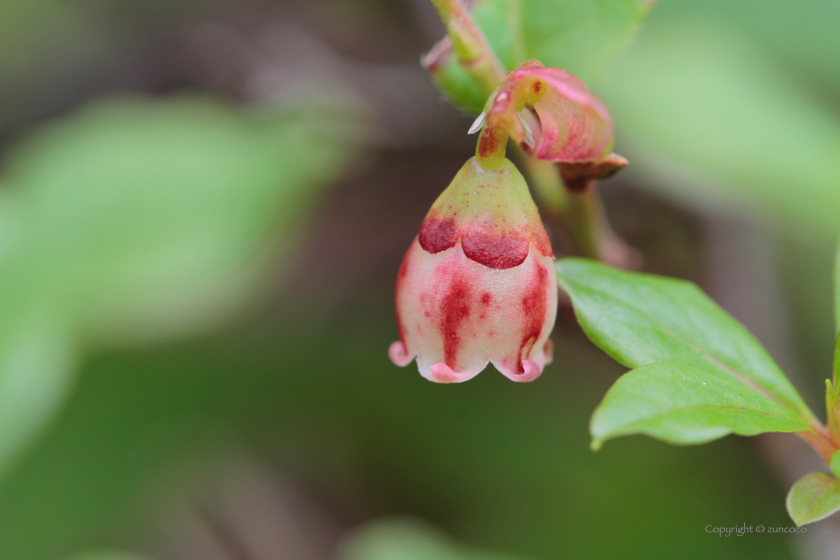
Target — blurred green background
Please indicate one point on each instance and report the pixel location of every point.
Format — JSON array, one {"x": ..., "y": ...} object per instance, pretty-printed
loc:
[{"x": 203, "y": 206}]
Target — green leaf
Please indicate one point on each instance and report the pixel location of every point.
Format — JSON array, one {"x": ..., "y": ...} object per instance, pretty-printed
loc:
[
  {"x": 813, "y": 497},
  {"x": 581, "y": 36},
  {"x": 461, "y": 89},
  {"x": 403, "y": 539},
  {"x": 639, "y": 319},
  {"x": 835, "y": 463},
  {"x": 683, "y": 405},
  {"x": 836, "y": 302}
]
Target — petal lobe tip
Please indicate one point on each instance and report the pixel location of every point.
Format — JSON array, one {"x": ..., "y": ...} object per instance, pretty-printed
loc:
[{"x": 398, "y": 354}]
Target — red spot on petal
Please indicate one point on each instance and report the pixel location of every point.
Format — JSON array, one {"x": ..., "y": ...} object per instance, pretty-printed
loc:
[
  {"x": 455, "y": 310},
  {"x": 438, "y": 235},
  {"x": 537, "y": 86},
  {"x": 540, "y": 240},
  {"x": 495, "y": 250},
  {"x": 534, "y": 308},
  {"x": 485, "y": 298}
]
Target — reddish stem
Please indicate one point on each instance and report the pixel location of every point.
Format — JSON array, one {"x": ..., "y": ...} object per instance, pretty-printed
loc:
[{"x": 821, "y": 442}]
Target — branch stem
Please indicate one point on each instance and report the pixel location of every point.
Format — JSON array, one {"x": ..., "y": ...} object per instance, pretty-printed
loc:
[
  {"x": 544, "y": 178},
  {"x": 582, "y": 215},
  {"x": 821, "y": 443},
  {"x": 470, "y": 44},
  {"x": 491, "y": 148}
]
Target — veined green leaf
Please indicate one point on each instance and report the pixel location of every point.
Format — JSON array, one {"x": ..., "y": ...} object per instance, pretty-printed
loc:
[
  {"x": 683, "y": 405},
  {"x": 641, "y": 319}
]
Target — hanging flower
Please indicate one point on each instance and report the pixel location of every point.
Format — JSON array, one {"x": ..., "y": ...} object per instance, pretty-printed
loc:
[
  {"x": 553, "y": 116},
  {"x": 477, "y": 284}
]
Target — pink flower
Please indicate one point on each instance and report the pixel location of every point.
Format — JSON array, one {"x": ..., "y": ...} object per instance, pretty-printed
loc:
[
  {"x": 562, "y": 121},
  {"x": 477, "y": 284},
  {"x": 573, "y": 124}
]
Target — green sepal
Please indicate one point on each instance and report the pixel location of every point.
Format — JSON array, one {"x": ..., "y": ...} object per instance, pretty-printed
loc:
[
  {"x": 835, "y": 463},
  {"x": 813, "y": 497}
]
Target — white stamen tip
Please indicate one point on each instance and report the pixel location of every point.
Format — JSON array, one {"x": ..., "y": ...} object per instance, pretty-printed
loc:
[
  {"x": 478, "y": 124},
  {"x": 529, "y": 136}
]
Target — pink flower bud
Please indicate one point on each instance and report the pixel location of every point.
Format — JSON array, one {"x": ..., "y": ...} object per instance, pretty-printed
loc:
[
  {"x": 573, "y": 126},
  {"x": 553, "y": 116},
  {"x": 477, "y": 284}
]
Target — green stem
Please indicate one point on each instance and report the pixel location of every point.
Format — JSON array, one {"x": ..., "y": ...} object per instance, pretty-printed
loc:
[
  {"x": 832, "y": 406},
  {"x": 591, "y": 233},
  {"x": 544, "y": 178},
  {"x": 584, "y": 221},
  {"x": 491, "y": 147},
  {"x": 582, "y": 215},
  {"x": 470, "y": 44}
]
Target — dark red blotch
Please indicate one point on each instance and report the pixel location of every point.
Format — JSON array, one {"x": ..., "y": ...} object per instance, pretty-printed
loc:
[
  {"x": 494, "y": 250},
  {"x": 438, "y": 235}
]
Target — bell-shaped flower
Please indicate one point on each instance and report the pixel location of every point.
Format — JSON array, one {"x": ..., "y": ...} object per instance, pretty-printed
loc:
[{"x": 477, "y": 284}]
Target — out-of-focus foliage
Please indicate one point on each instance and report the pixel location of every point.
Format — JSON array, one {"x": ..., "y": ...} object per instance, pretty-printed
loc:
[
  {"x": 406, "y": 540},
  {"x": 581, "y": 36},
  {"x": 799, "y": 36},
  {"x": 707, "y": 115},
  {"x": 137, "y": 219},
  {"x": 815, "y": 496},
  {"x": 498, "y": 467},
  {"x": 837, "y": 301},
  {"x": 106, "y": 555}
]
